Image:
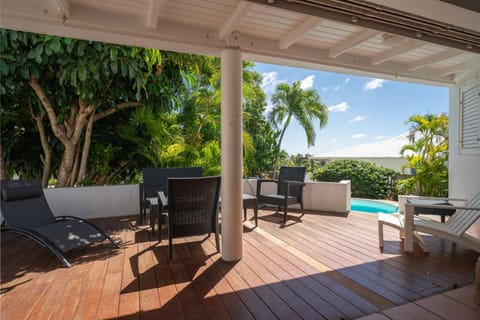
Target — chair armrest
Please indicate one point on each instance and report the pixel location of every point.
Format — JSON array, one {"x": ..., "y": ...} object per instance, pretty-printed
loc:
[
  {"x": 295, "y": 183},
  {"x": 438, "y": 198},
  {"x": 259, "y": 184},
  {"x": 438, "y": 206},
  {"x": 266, "y": 180},
  {"x": 162, "y": 200}
]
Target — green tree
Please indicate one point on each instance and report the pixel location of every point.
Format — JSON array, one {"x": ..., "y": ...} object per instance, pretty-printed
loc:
[
  {"x": 72, "y": 84},
  {"x": 294, "y": 102},
  {"x": 368, "y": 180},
  {"x": 427, "y": 154},
  {"x": 262, "y": 156}
]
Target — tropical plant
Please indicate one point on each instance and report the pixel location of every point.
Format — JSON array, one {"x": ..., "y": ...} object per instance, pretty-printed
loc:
[
  {"x": 427, "y": 154},
  {"x": 294, "y": 102},
  {"x": 69, "y": 85},
  {"x": 368, "y": 180}
]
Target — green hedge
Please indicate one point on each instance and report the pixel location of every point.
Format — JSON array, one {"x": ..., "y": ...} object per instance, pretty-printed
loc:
[{"x": 368, "y": 180}]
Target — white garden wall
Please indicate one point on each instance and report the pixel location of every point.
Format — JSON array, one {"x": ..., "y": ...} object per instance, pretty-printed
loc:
[{"x": 122, "y": 200}]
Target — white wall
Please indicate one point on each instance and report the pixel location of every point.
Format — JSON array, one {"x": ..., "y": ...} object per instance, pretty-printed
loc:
[
  {"x": 122, "y": 200},
  {"x": 321, "y": 196},
  {"x": 94, "y": 202},
  {"x": 464, "y": 169}
]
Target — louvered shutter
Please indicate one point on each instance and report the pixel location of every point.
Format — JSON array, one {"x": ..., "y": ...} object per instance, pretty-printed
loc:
[{"x": 470, "y": 119}]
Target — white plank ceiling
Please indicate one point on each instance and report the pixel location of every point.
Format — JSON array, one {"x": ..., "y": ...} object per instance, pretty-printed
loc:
[{"x": 271, "y": 31}]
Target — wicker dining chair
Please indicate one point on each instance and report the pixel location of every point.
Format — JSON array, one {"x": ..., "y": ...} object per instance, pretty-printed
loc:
[
  {"x": 290, "y": 185},
  {"x": 192, "y": 208}
]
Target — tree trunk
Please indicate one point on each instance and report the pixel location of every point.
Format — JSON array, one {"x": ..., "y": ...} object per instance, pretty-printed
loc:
[
  {"x": 46, "y": 157},
  {"x": 86, "y": 148},
  {"x": 3, "y": 172},
  {"x": 279, "y": 145},
  {"x": 75, "y": 168},
  {"x": 70, "y": 132}
]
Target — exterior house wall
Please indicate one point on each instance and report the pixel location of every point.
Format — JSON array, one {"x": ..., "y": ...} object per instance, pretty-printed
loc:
[{"x": 464, "y": 169}]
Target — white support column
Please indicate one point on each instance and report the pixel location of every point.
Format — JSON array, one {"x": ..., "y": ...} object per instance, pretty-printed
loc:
[{"x": 232, "y": 158}]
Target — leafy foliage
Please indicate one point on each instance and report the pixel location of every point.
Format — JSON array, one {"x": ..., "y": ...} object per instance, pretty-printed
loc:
[
  {"x": 427, "y": 154},
  {"x": 368, "y": 180},
  {"x": 169, "y": 102}
]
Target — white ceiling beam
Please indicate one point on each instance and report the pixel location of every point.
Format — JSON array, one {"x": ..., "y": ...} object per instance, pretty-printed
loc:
[
  {"x": 235, "y": 18},
  {"x": 351, "y": 42},
  {"x": 153, "y": 13},
  {"x": 299, "y": 32},
  {"x": 452, "y": 69},
  {"x": 63, "y": 8},
  {"x": 425, "y": 62},
  {"x": 266, "y": 50},
  {"x": 395, "y": 51}
]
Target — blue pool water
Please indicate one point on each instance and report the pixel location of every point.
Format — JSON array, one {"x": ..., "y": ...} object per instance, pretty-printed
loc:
[{"x": 371, "y": 206}]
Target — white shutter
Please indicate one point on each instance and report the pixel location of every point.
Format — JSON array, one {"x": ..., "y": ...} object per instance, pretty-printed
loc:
[{"x": 470, "y": 119}]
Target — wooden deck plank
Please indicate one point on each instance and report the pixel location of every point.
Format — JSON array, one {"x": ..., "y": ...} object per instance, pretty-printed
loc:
[
  {"x": 318, "y": 282},
  {"x": 92, "y": 289},
  {"x": 248, "y": 296},
  {"x": 322, "y": 266},
  {"x": 210, "y": 300},
  {"x": 222, "y": 288},
  {"x": 150, "y": 306},
  {"x": 129, "y": 302},
  {"x": 72, "y": 293}
]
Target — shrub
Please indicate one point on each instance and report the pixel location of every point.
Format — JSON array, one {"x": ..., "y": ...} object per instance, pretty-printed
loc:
[{"x": 368, "y": 180}]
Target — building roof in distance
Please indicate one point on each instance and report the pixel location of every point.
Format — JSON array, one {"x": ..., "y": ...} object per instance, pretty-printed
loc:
[{"x": 387, "y": 148}]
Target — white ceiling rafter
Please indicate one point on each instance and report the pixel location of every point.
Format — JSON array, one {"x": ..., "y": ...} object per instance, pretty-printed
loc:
[
  {"x": 63, "y": 8},
  {"x": 395, "y": 51},
  {"x": 452, "y": 69},
  {"x": 235, "y": 18},
  {"x": 153, "y": 13},
  {"x": 254, "y": 48},
  {"x": 303, "y": 29},
  {"x": 351, "y": 42},
  {"x": 425, "y": 62}
]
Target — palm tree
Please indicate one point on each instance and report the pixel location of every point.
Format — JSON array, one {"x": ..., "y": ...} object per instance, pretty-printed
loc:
[
  {"x": 428, "y": 137},
  {"x": 294, "y": 102}
]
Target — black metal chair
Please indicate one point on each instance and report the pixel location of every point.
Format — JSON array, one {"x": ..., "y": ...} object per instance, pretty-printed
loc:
[
  {"x": 192, "y": 208},
  {"x": 290, "y": 185},
  {"x": 155, "y": 180},
  {"x": 26, "y": 212}
]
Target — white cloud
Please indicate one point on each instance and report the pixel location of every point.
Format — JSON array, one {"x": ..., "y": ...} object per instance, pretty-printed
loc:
[
  {"x": 270, "y": 82},
  {"x": 358, "y": 118},
  {"x": 373, "y": 84},
  {"x": 341, "y": 107},
  {"x": 359, "y": 135},
  {"x": 307, "y": 83},
  {"x": 380, "y": 137},
  {"x": 336, "y": 87}
]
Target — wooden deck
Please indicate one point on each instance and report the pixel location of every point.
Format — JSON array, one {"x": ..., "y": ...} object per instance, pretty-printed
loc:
[{"x": 324, "y": 266}]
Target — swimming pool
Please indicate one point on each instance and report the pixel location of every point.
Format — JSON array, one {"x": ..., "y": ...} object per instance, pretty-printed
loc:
[{"x": 371, "y": 206}]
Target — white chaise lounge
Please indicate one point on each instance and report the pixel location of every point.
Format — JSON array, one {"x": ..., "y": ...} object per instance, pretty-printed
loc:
[{"x": 454, "y": 229}]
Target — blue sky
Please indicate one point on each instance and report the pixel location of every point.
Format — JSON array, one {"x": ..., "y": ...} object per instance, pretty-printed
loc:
[{"x": 361, "y": 109}]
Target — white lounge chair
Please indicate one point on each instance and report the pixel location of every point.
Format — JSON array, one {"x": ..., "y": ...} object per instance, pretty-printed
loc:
[{"x": 454, "y": 229}]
